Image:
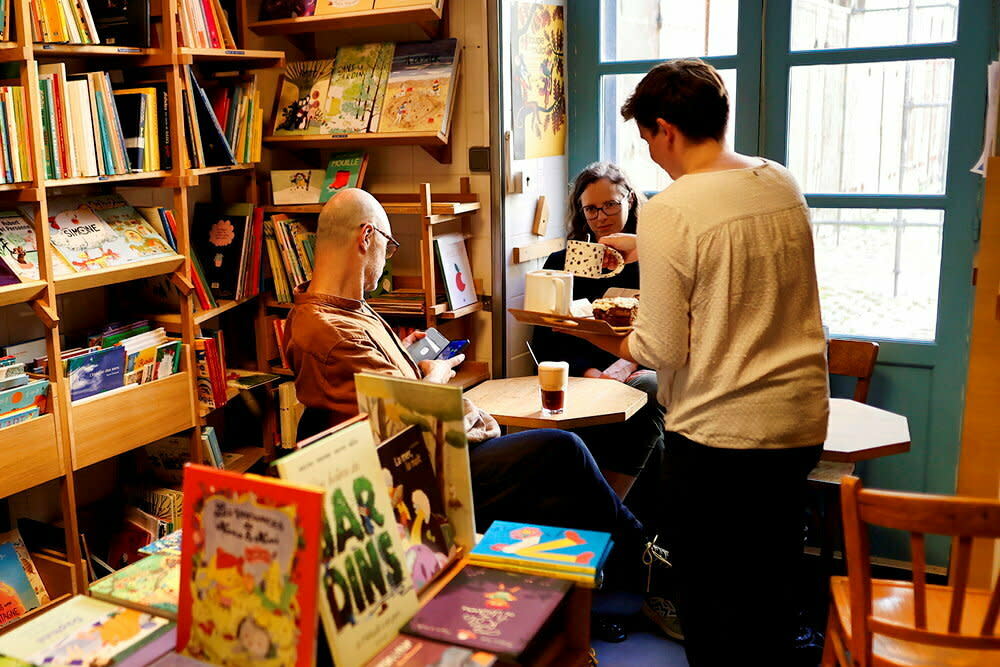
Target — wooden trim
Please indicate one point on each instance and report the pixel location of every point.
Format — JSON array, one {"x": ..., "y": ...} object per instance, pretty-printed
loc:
[
  {"x": 537, "y": 250},
  {"x": 420, "y": 14},
  {"x": 21, "y": 292},
  {"x": 30, "y": 455},
  {"x": 118, "y": 274}
]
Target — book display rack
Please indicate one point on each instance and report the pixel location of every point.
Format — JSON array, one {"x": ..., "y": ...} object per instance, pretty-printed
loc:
[{"x": 75, "y": 434}]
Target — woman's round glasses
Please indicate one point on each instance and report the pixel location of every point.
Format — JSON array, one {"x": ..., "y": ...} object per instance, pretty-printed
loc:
[{"x": 610, "y": 208}]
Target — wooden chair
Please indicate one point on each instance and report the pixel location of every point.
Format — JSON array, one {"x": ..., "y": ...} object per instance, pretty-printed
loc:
[
  {"x": 853, "y": 358},
  {"x": 876, "y": 622}
]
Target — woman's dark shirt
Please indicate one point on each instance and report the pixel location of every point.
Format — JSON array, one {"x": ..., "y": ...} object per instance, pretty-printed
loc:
[{"x": 550, "y": 345}]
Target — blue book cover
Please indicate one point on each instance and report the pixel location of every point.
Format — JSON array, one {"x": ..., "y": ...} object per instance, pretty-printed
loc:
[
  {"x": 16, "y": 594},
  {"x": 96, "y": 372},
  {"x": 543, "y": 547},
  {"x": 169, "y": 544},
  {"x": 25, "y": 396}
]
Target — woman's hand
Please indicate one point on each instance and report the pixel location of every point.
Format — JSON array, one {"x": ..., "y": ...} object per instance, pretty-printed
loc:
[
  {"x": 592, "y": 373},
  {"x": 621, "y": 370},
  {"x": 623, "y": 243}
]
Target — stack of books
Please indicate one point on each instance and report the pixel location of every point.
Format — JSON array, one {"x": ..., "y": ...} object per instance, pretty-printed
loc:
[
  {"x": 146, "y": 125},
  {"x": 225, "y": 129},
  {"x": 81, "y": 128},
  {"x": 14, "y": 167},
  {"x": 379, "y": 87},
  {"x": 21, "y": 397},
  {"x": 403, "y": 301},
  {"x": 290, "y": 251},
  {"x": 228, "y": 240},
  {"x": 167, "y": 456},
  {"x": 203, "y": 24}
]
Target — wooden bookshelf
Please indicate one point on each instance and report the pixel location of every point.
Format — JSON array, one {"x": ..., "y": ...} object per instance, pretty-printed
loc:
[
  {"x": 172, "y": 321},
  {"x": 360, "y": 140},
  {"x": 21, "y": 292},
  {"x": 427, "y": 16},
  {"x": 248, "y": 457},
  {"x": 34, "y": 460},
  {"x": 440, "y": 211},
  {"x": 112, "y": 179},
  {"x": 118, "y": 274},
  {"x": 224, "y": 169}
]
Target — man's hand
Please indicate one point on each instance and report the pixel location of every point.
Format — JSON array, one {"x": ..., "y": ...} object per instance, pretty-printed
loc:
[
  {"x": 413, "y": 338},
  {"x": 620, "y": 370},
  {"x": 623, "y": 243},
  {"x": 440, "y": 371},
  {"x": 592, "y": 373}
]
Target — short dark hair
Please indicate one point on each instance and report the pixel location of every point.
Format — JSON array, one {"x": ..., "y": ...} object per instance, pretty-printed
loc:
[
  {"x": 579, "y": 230},
  {"x": 688, "y": 93}
]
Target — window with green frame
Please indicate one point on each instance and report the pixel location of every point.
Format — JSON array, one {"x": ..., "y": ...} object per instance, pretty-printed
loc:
[{"x": 856, "y": 97}]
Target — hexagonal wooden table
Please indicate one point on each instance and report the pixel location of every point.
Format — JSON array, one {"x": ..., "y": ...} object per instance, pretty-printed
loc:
[
  {"x": 859, "y": 432},
  {"x": 589, "y": 401}
]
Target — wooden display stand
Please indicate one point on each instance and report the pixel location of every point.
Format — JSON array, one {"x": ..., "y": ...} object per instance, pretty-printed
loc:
[{"x": 74, "y": 435}]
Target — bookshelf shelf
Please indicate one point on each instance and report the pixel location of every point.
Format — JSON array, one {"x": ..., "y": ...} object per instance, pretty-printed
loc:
[
  {"x": 10, "y": 187},
  {"x": 427, "y": 15},
  {"x": 224, "y": 169},
  {"x": 440, "y": 211},
  {"x": 431, "y": 140},
  {"x": 248, "y": 457},
  {"x": 458, "y": 312},
  {"x": 118, "y": 274},
  {"x": 117, "y": 178},
  {"x": 171, "y": 321},
  {"x": 246, "y": 58},
  {"x": 470, "y": 373},
  {"x": 281, "y": 370},
  {"x": 120, "y": 420},
  {"x": 21, "y": 292},
  {"x": 34, "y": 460},
  {"x": 92, "y": 51}
]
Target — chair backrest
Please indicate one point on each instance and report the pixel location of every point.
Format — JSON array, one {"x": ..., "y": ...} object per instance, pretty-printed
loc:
[
  {"x": 853, "y": 358},
  {"x": 918, "y": 514}
]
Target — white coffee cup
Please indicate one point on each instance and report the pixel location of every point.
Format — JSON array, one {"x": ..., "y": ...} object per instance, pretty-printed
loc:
[
  {"x": 587, "y": 259},
  {"x": 548, "y": 291}
]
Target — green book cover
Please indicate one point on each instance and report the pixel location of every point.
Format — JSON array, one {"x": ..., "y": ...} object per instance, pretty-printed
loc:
[
  {"x": 353, "y": 89},
  {"x": 47, "y": 130},
  {"x": 345, "y": 170},
  {"x": 150, "y": 584}
]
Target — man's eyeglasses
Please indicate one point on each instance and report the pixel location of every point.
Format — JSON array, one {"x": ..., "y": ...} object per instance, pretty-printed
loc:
[
  {"x": 610, "y": 208},
  {"x": 391, "y": 246}
]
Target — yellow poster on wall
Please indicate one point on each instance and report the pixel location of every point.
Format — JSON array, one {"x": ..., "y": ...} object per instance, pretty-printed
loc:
[{"x": 538, "y": 70}]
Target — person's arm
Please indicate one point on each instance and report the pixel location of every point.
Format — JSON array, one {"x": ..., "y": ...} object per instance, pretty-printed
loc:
[{"x": 440, "y": 371}]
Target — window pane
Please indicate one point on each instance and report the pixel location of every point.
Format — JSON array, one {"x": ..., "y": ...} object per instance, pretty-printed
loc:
[
  {"x": 878, "y": 271},
  {"x": 870, "y": 127},
  {"x": 620, "y": 141},
  {"x": 839, "y": 24},
  {"x": 653, "y": 29}
]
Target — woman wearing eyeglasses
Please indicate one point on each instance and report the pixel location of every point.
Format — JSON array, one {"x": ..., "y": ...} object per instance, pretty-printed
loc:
[{"x": 603, "y": 202}]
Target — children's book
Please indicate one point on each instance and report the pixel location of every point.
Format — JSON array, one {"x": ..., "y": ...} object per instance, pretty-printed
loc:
[
  {"x": 217, "y": 236},
  {"x": 418, "y": 94},
  {"x": 556, "y": 552},
  {"x": 409, "y": 651},
  {"x": 250, "y": 570},
  {"x": 150, "y": 584},
  {"x": 83, "y": 627},
  {"x": 302, "y": 96},
  {"x": 169, "y": 545},
  {"x": 353, "y": 88},
  {"x": 490, "y": 610},
  {"x": 32, "y": 394},
  {"x": 144, "y": 241},
  {"x": 366, "y": 594},
  {"x": 456, "y": 272},
  {"x": 83, "y": 239},
  {"x": 296, "y": 186},
  {"x": 18, "y": 250},
  {"x": 416, "y": 504},
  {"x": 13, "y": 537},
  {"x": 168, "y": 359},
  {"x": 345, "y": 170},
  {"x": 393, "y": 404},
  {"x": 96, "y": 372},
  {"x": 17, "y": 597},
  {"x": 7, "y": 274}
]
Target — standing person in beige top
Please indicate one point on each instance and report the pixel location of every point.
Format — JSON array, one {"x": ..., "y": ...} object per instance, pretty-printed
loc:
[{"x": 729, "y": 317}]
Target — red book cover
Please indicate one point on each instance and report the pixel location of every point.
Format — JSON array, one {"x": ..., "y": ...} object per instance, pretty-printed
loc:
[
  {"x": 219, "y": 97},
  {"x": 215, "y": 372},
  {"x": 213, "y": 30},
  {"x": 199, "y": 287},
  {"x": 258, "y": 243},
  {"x": 58, "y": 93},
  {"x": 249, "y": 569}
]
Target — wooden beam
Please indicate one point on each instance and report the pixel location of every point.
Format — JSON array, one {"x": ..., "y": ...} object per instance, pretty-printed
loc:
[{"x": 526, "y": 253}]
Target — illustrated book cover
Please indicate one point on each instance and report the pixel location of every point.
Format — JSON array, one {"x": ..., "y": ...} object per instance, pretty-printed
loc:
[
  {"x": 217, "y": 236},
  {"x": 416, "y": 504},
  {"x": 82, "y": 627},
  {"x": 85, "y": 241},
  {"x": 302, "y": 97},
  {"x": 409, "y": 651},
  {"x": 149, "y": 584},
  {"x": 354, "y": 87},
  {"x": 366, "y": 593},
  {"x": 33, "y": 394},
  {"x": 394, "y": 403},
  {"x": 544, "y": 549},
  {"x": 250, "y": 569},
  {"x": 18, "y": 250},
  {"x": 96, "y": 372},
  {"x": 296, "y": 186},
  {"x": 169, "y": 544},
  {"x": 456, "y": 272},
  {"x": 419, "y": 91},
  {"x": 140, "y": 237},
  {"x": 17, "y": 597},
  {"x": 345, "y": 170},
  {"x": 13, "y": 537},
  {"x": 490, "y": 610}
]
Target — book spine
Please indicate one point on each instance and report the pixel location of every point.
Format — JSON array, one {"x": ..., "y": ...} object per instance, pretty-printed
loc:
[
  {"x": 277, "y": 267},
  {"x": 46, "y": 131},
  {"x": 62, "y": 134},
  {"x": 216, "y": 376},
  {"x": 206, "y": 395},
  {"x": 213, "y": 29},
  {"x": 162, "y": 109},
  {"x": 20, "y": 128},
  {"x": 6, "y": 168},
  {"x": 584, "y": 580},
  {"x": 116, "y": 127}
]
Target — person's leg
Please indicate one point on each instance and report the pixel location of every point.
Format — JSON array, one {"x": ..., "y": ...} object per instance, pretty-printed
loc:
[
  {"x": 621, "y": 450},
  {"x": 548, "y": 477},
  {"x": 736, "y": 544}
]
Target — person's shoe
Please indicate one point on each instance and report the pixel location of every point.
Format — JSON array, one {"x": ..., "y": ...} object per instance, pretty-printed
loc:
[
  {"x": 663, "y": 613},
  {"x": 654, "y": 555},
  {"x": 606, "y": 629}
]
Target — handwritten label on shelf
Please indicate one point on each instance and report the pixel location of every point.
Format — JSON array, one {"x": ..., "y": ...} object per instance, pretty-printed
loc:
[
  {"x": 235, "y": 53},
  {"x": 126, "y": 49}
]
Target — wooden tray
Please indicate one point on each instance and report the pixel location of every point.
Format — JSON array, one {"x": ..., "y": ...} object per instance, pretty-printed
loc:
[{"x": 566, "y": 322}]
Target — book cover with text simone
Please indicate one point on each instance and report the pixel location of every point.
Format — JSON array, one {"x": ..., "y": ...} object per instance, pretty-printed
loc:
[
  {"x": 544, "y": 547},
  {"x": 490, "y": 610},
  {"x": 249, "y": 570},
  {"x": 367, "y": 594}
]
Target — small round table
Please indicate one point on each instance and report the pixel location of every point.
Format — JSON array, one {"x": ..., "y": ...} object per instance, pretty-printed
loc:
[{"x": 589, "y": 401}]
